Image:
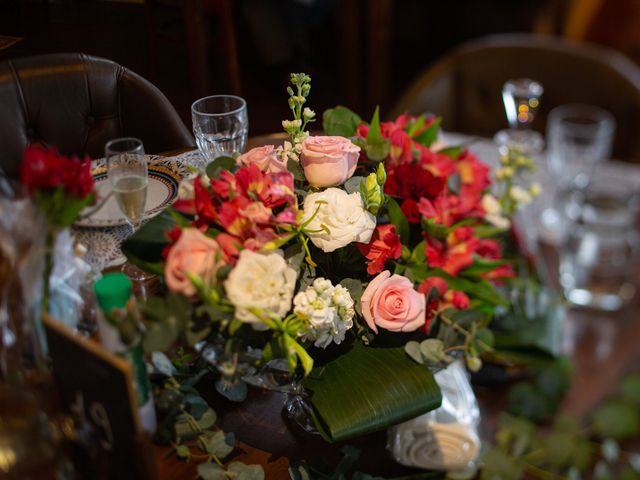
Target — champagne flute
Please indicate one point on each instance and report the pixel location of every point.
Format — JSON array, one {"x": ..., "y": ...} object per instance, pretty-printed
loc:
[{"x": 127, "y": 169}]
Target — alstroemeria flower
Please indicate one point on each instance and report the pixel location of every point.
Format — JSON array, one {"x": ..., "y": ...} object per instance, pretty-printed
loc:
[{"x": 384, "y": 244}]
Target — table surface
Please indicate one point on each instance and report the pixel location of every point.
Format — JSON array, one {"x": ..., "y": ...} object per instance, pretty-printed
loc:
[{"x": 603, "y": 347}]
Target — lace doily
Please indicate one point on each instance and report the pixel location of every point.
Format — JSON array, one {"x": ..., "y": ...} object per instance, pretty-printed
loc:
[{"x": 103, "y": 244}]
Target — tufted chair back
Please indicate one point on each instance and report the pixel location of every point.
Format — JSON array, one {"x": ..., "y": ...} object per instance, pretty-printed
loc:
[
  {"x": 465, "y": 86},
  {"x": 77, "y": 103}
]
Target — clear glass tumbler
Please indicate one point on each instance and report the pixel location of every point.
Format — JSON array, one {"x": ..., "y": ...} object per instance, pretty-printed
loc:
[{"x": 220, "y": 125}]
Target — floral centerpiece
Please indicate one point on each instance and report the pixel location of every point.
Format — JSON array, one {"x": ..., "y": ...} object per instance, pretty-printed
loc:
[{"x": 365, "y": 259}]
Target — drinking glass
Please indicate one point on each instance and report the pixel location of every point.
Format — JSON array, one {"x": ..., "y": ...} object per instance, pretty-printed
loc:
[
  {"x": 578, "y": 137},
  {"x": 127, "y": 169},
  {"x": 220, "y": 125},
  {"x": 599, "y": 251}
]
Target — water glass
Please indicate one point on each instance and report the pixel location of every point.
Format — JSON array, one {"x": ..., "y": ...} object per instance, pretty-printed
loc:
[
  {"x": 220, "y": 125},
  {"x": 127, "y": 170},
  {"x": 578, "y": 137},
  {"x": 599, "y": 251}
]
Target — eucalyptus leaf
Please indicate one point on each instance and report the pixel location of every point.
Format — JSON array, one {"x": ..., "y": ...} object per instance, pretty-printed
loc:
[
  {"x": 162, "y": 364},
  {"x": 432, "y": 350},
  {"x": 183, "y": 452},
  {"x": 412, "y": 348},
  {"x": 236, "y": 392},
  {"x": 207, "y": 420},
  {"x": 340, "y": 121},
  {"x": 211, "y": 471},
  {"x": 218, "y": 444},
  {"x": 214, "y": 168},
  {"x": 240, "y": 471},
  {"x": 197, "y": 405}
]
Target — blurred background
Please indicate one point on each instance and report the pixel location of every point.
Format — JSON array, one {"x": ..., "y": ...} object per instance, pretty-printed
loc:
[{"x": 360, "y": 53}]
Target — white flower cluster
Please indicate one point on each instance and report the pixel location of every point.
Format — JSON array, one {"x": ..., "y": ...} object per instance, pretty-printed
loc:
[
  {"x": 327, "y": 311},
  {"x": 290, "y": 150}
]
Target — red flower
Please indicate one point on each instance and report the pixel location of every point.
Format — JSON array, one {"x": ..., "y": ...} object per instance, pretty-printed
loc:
[
  {"x": 410, "y": 209},
  {"x": 384, "y": 244},
  {"x": 457, "y": 299},
  {"x": 411, "y": 180},
  {"x": 433, "y": 282},
  {"x": 45, "y": 169}
]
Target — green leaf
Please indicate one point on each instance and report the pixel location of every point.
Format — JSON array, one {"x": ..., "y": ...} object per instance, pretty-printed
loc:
[
  {"x": 374, "y": 135},
  {"x": 198, "y": 406},
  {"x": 630, "y": 388},
  {"x": 432, "y": 350},
  {"x": 183, "y": 452},
  {"x": 498, "y": 465},
  {"x": 430, "y": 135},
  {"x": 616, "y": 419},
  {"x": 398, "y": 218},
  {"x": 526, "y": 401},
  {"x": 383, "y": 385},
  {"x": 340, "y": 121},
  {"x": 240, "y": 471},
  {"x": 295, "y": 169},
  {"x": 236, "y": 392},
  {"x": 452, "y": 152},
  {"x": 211, "y": 471},
  {"x": 415, "y": 126},
  {"x": 377, "y": 148},
  {"x": 221, "y": 163},
  {"x": 207, "y": 420},
  {"x": 412, "y": 348},
  {"x": 218, "y": 444},
  {"x": 162, "y": 364}
]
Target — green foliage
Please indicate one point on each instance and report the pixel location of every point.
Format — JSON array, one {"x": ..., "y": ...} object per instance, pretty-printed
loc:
[
  {"x": 617, "y": 418},
  {"x": 398, "y": 218},
  {"x": 219, "y": 164},
  {"x": 377, "y": 148},
  {"x": 340, "y": 121},
  {"x": 144, "y": 248},
  {"x": 383, "y": 385},
  {"x": 430, "y": 135}
]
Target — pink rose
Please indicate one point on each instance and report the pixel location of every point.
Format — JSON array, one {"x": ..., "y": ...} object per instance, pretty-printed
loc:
[
  {"x": 328, "y": 161},
  {"x": 265, "y": 158},
  {"x": 193, "y": 253},
  {"x": 391, "y": 302}
]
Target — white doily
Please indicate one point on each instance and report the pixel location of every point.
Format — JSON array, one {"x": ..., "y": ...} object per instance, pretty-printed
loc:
[{"x": 103, "y": 244}]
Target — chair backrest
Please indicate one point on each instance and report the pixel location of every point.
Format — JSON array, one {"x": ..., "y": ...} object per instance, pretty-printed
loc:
[
  {"x": 77, "y": 103},
  {"x": 465, "y": 86}
]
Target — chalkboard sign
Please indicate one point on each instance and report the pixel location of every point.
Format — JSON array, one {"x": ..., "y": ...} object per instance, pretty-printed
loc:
[{"x": 96, "y": 388}]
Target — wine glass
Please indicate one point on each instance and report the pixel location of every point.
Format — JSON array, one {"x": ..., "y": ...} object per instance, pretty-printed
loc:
[
  {"x": 127, "y": 170},
  {"x": 521, "y": 99},
  {"x": 220, "y": 125}
]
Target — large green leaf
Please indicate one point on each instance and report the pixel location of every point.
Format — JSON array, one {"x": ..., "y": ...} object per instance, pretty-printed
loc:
[
  {"x": 369, "y": 389},
  {"x": 340, "y": 121},
  {"x": 398, "y": 218}
]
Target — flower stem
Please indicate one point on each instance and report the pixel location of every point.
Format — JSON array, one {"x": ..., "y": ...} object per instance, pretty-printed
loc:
[{"x": 48, "y": 268}]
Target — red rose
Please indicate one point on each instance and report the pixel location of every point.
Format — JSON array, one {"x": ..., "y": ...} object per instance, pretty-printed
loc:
[
  {"x": 384, "y": 244},
  {"x": 410, "y": 180}
]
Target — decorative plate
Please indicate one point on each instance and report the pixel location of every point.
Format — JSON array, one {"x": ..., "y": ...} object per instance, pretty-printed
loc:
[{"x": 165, "y": 175}]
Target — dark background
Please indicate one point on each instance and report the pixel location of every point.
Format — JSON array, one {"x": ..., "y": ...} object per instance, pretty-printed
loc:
[{"x": 360, "y": 53}]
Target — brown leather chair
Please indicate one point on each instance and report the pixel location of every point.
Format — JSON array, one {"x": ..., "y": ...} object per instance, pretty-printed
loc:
[
  {"x": 77, "y": 103},
  {"x": 465, "y": 86}
]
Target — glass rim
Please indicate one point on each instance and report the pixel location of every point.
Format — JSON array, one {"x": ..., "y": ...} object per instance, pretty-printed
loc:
[
  {"x": 243, "y": 105},
  {"x": 602, "y": 119},
  {"x": 108, "y": 146}
]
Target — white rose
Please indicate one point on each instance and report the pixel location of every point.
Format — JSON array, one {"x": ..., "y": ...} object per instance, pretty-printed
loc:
[
  {"x": 262, "y": 281},
  {"x": 341, "y": 219}
]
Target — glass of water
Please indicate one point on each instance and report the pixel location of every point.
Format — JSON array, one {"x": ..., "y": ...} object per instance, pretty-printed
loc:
[
  {"x": 127, "y": 170},
  {"x": 220, "y": 125}
]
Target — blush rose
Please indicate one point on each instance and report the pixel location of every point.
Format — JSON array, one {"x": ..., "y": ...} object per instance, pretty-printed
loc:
[
  {"x": 390, "y": 302},
  {"x": 328, "y": 161},
  {"x": 194, "y": 253},
  {"x": 265, "y": 158}
]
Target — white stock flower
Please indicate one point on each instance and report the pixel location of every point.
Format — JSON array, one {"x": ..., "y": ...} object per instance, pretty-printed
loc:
[
  {"x": 341, "y": 219},
  {"x": 326, "y": 310},
  {"x": 519, "y": 195},
  {"x": 493, "y": 212},
  {"x": 262, "y": 281}
]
